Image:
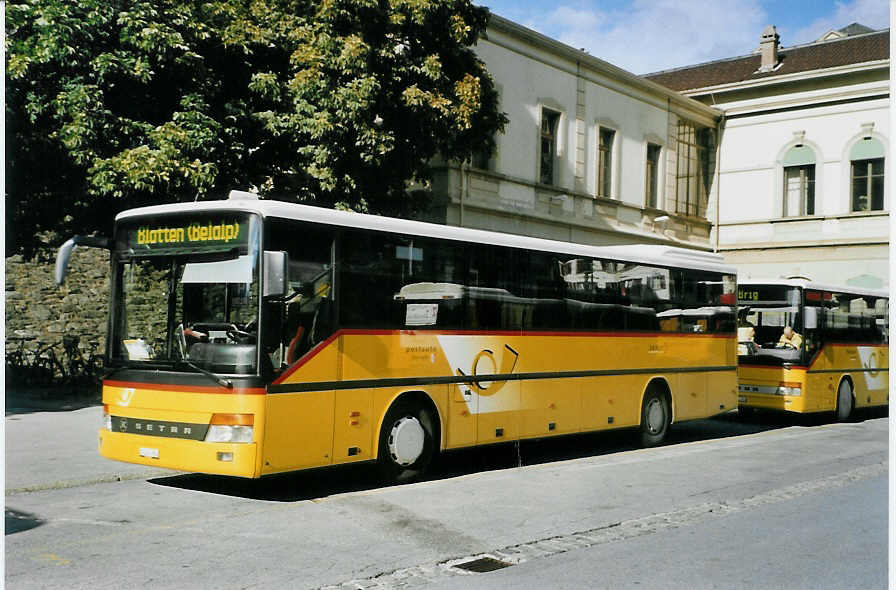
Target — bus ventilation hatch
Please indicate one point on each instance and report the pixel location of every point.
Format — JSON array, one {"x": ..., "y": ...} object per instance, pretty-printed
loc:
[{"x": 483, "y": 565}]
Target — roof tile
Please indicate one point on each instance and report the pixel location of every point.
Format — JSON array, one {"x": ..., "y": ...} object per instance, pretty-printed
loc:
[{"x": 802, "y": 58}]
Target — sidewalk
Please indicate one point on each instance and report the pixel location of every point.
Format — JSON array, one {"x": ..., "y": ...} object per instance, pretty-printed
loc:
[{"x": 51, "y": 442}]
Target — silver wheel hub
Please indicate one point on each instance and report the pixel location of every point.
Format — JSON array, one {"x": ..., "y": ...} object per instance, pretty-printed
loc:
[
  {"x": 655, "y": 416},
  {"x": 406, "y": 440}
]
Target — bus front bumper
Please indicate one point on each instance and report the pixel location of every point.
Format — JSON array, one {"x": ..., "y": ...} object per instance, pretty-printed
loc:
[
  {"x": 784, "y": 403},
  {"x": 237, "y": 459}
]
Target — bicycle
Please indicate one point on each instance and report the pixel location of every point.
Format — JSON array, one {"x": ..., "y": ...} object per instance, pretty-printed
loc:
[
  {"x": 74, "y": 358},
  {"x": 81, "y": 369},
  {"x": 93, "y": 364},
  {"x": 45, "y": 366},
  {"x": 17, "y": 363}
]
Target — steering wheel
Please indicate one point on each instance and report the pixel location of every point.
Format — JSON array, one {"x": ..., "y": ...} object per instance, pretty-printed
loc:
[{"x": 239, "y": 336}]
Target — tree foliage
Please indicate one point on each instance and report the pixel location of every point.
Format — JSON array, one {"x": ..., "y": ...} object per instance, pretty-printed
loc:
[{"x": 117, "y": 103}]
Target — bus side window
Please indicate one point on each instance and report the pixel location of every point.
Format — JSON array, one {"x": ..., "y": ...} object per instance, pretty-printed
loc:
[
  {"x": 493, "y": 302},
  {"x": 291, "y": 327}
]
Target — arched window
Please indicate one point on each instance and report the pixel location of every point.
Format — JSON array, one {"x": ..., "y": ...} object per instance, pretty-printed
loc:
[
  {"x": 799, "y": 181},
  {"x": 866, "y": 160}
]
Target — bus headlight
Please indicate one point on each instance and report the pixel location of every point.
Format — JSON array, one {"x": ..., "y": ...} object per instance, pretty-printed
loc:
[
  {"x": 785, "y": 390},
  {"x": 230, "y": 428},
  {"x": 107, "y": 417},
  {"x": 225, "y": 433}
]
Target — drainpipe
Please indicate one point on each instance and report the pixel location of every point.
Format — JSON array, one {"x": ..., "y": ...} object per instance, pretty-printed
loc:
[
  {"x": 464, "y": 187},
  {"x": 717, "y": 175}
]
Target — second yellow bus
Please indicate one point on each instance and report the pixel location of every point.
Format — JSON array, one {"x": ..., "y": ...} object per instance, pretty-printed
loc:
[{"x": 807, "y": 347}]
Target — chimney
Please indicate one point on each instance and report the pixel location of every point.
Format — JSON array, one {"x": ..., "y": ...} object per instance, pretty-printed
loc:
[{"x": 768, "y": 48}]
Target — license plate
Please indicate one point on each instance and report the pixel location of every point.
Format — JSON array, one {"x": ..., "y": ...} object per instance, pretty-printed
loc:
[{"x": 149, "y": 453}]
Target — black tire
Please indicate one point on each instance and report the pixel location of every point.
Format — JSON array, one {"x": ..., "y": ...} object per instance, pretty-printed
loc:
[
  {"x": 845, "y": 402},
  {"x": 655, "y": 417},
  {"x": 407, "y": 442}
]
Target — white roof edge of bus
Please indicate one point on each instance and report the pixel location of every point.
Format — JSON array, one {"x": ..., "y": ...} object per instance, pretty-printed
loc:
[
  {"x": 643, "y": 253},
  {"x": 807, "y": 284}
]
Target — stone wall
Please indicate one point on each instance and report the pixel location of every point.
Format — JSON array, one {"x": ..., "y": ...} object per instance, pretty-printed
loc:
[{"x": 43, "y": 313}]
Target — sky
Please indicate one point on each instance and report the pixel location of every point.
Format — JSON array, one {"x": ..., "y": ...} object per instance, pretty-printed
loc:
[{"x": 644, "y": 36}]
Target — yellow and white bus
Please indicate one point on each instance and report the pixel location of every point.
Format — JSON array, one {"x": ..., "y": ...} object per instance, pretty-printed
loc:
[
  {"x": 251, "y": 337},
  {"x": 836, "y": 359}
]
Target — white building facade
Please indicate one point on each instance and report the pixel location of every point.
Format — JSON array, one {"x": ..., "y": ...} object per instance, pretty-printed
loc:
[
  {"x": 591, "y": 154},
  {"x": 803, "y": 149}
]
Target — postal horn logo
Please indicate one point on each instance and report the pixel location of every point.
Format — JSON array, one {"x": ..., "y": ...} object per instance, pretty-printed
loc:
[
  {"x": 871, "y": 364},
  {"x": 486, "y": 364},
  {"x": 127, "y": 394}
]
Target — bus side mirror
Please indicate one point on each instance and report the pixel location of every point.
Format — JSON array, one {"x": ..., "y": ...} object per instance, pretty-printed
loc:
[
  {"x": 811, "y": 318},
  {"x": 276, "y": 274},
  {"x": 65, "y": 253}
]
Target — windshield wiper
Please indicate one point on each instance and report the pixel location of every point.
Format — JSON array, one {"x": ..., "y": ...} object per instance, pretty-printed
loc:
[{"x": 216, "y": 378}]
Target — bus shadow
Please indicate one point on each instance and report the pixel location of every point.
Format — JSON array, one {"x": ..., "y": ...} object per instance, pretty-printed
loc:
[
  {"x": 320, "y": 483},
  {"x": 287, "y": 487},
  {"x": 863, "y": 414},
  {"x": 784, "y": 419}
]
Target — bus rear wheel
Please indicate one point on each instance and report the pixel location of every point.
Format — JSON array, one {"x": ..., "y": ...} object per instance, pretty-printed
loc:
[
  {"x": 844, "y": 401},
  {"x": 407, "y": 443},
  {"x": 654, "y": 418}
]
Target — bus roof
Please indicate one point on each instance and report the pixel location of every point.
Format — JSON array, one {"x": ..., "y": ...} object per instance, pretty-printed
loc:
[
  {"x": 659, "y": 255},
  {"x": 807, "y": 284}
]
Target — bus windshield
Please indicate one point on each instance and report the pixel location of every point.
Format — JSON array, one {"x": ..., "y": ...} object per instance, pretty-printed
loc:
[
  {"x": 765, "y": 312},
  {"x": 185, "y": 301}
]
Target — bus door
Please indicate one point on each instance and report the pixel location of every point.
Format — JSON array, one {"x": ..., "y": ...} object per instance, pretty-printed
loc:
[{"x": 299, "y": 415}]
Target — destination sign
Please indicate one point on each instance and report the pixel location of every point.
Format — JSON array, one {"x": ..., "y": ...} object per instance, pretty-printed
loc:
[
  {"x": 186, "y": 234},
  {"x": 765, "y": 294},
  {"x": 222, "y": 232}
]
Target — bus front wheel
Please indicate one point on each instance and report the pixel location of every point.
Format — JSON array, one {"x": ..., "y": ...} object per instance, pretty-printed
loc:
[
  {"x": 844, "y": 401},
  {"x": 407, "y": 442},
  {"x": 654, "y": 418}
]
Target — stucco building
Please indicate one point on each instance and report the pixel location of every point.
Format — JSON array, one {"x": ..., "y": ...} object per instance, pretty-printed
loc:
[
  {"x": 592, "y": 153},
  {"x": 803, "y": 146}
]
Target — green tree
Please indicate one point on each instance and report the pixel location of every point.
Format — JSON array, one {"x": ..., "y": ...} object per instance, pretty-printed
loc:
[{"x": 118, "y": 103}]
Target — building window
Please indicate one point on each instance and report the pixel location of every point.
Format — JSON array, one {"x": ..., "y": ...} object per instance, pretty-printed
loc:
[
  {"x": 692, "y": 173},
  {"x": 799, "y": 190},
  {"x": 799, "y": 181},
  {"x": 604, "y": 161},
  {"x": 868, "y": 185},
  {"x": 652, "y": 175},
  {"x": 549, "y": 121},
  {"x": 867, "y": 175},
  {"x": 483, "y": 160}
]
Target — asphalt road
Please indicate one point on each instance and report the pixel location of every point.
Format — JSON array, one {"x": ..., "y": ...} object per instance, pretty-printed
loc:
[{"x": 728, "y": 503}]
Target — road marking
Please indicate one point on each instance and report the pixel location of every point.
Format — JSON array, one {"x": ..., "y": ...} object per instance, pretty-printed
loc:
[
  {"x": 619, "y": 531},
  {"x": 55, "y": 559}
]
